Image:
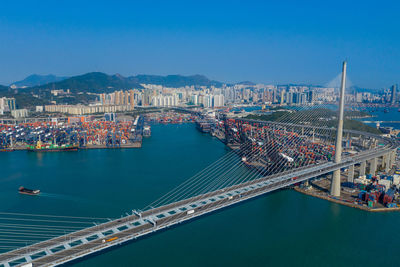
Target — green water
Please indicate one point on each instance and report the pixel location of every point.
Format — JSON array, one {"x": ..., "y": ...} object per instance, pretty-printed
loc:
[{"x": 280, "y": 229}]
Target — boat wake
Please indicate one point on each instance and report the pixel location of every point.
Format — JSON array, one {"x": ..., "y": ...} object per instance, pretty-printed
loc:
[{"x": 63, "y": 197}]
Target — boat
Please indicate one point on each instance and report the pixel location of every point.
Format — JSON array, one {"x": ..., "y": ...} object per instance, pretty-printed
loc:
[
  {"x": 146, "y": 131},
  {"x": 42, "y": 147},
  {"x": 26, "y": 191},
  {"x": 203, "y": 126}
]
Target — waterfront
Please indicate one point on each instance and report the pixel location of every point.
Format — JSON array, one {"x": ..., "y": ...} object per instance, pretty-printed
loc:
[
  {"x": 379, "y": 115},
  {"x": 283, "y": 228}
]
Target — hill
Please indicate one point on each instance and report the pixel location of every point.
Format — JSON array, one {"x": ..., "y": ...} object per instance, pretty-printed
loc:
[
  {"x": 83, "y": 86},
  {"x": 24, "y": 99},
  {"x": 94, "y": 82},
  {"x": 37, "y": 80},
  {"x": 98, "y": 82}
]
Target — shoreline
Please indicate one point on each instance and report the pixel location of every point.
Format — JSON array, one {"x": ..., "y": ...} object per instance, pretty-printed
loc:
[
  {"x": 131, "y": 145},
  {"x": 349, "y": 204}
]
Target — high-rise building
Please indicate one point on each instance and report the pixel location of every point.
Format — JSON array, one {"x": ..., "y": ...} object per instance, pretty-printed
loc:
[
  {"x": 194, "y": 99},
  {"x": 103, "y": 99},
  {"x": 7, "y": 104},
  {"x": 131, "y": 99},
  {"x": 207, "y": 101},
  {"x": 118, "y": 98},
  {"x": 126, "y": 98},
  {"x": 393, "y": 91},
  {"x": 218, "y": 101},
  {"x": 282, "y": 97},
  {"x": 359, "y": 97},
  {"x": 165, "y": 100},
  {"x": 19, "y": 113},
  {"x": 311, "y": 97}
]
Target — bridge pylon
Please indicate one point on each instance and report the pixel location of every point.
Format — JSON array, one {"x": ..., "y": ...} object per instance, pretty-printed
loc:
[{"x": 335, "y": 184}]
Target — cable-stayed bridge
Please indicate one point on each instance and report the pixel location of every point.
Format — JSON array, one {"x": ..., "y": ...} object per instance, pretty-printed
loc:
[
  {"x": 201, "y": 195},
  {"x": 265, "y": 156}
]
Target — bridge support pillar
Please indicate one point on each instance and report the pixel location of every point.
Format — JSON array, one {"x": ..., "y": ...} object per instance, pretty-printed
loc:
[
  {"x": 387, "y": 162},
  {"x": 383, "y": 163},
  {"x": 372, "y": 168},
  {"x": 392, "y": 158},
  {"x": 363, "y": 166},
  {"x": 335, "y": 183},
  {"x": 373, "y": 143},
  {"x": 350, "y": 174}
]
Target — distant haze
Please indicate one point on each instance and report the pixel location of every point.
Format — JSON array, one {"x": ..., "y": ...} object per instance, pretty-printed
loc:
[{"x": 35, "y": 80}]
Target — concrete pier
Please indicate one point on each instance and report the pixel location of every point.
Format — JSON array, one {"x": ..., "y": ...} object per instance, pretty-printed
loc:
[
  {"x": 392, "y": 158},
  {"x": 383, "y": 161},
  {"x": 363, "y": 166},
  {"x": 373, "y": 166},
  {"x": 388, "y": 166},
  {"x": 350, "y": 175}
]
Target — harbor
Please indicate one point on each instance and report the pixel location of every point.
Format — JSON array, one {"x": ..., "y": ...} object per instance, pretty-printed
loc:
[
  {"x": 75, "y": 133},
  {"x": 378, "y": 193},
  {"x": 294, "y": 215},
  {"x": 199, "y": 134}
]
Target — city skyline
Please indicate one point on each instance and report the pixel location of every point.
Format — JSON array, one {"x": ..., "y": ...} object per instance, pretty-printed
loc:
[
  {"x": 199, "y": 133},
  {"x": 35, "y": 79},
  {"x": 261, "y": 42}
]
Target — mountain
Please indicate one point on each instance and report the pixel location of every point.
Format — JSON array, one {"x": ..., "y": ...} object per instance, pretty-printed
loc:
[
  {"x": 98, "y": 82},
  {"x": 36, "y": 80},
  {"x": 94, "y": 82},
  {"x": 176, "y": 80}
]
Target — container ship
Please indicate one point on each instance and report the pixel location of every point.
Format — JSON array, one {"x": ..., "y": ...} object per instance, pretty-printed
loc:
[
  {"x": 41, "y": 147},
  {"x": 203, "y": 126},
  {"x": 26, "y": 191},
  {"x": 146, "y": 131}
]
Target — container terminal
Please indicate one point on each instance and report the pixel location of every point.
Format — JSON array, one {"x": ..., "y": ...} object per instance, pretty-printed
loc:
[
  {"x": 74, "y": 134},
  {"x": 85, "y": 132},
  {"x": 379, "y": 192}
]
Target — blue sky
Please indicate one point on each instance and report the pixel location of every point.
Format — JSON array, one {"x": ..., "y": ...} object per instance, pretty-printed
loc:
[{"x": 261, "y": 41}]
